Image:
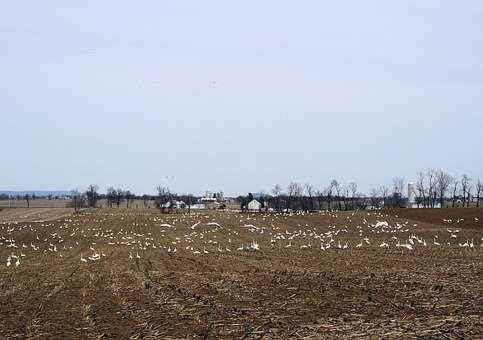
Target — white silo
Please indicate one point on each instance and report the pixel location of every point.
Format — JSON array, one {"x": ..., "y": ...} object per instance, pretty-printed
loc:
[{"x": 411, "y": 195}]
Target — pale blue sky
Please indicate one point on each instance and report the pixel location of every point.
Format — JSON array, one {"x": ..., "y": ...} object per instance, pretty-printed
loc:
[{"x": 238, "y": 96}]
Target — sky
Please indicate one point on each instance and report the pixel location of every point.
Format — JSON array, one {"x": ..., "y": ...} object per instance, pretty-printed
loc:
[{"x": 238, "y": 96}]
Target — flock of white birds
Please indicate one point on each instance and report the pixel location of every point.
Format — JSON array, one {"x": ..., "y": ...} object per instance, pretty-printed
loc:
[{"x": 199, "y": 234}]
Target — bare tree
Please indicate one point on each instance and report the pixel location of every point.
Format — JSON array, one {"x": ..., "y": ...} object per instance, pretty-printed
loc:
[
  {"x": 398, "y": 184},
  {"x": 294, "y": 190},
  {"x": 375, "y": 199},
  {"x": 397, "y": 196},
  {"x": 277, "y": 191},
  {"x": 479, "y": 189},
  {"x": 92, "y": 195},
  {"x": 455, "y": 193},
  {"x": 145, "y": 200},
  {"x": 468, "y": 192},
  {"x": 189, "y": 201},
  {"x": 111, "y": 196},
  {"x": 384, "y": 193},
  {"x": 432, "y": 189},
  {"x": 129, "y": 197},
  {"x": 421, "y": 189},
  {"x": 443, "y": 181},
  {"x": 119, "y": 196},
  {"x": 164, "y": 196},
  {"x": 77, "y": 201},
  {"x": 335, "y": 185},
  {"x": 345, "y": 196},
  {"x": 309, "y": 190},
  {"x": 319, "y": 194},
  {"x": 329, "y": 194}
]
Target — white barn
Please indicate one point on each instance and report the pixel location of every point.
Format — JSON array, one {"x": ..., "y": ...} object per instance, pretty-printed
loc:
[{"x": 254, "y": 205}]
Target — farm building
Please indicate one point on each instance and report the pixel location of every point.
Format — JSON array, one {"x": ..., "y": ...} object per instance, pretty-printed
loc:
[
  {"x": 254, "y": 205},
  {"x": 411, "y": 195},
  {"x": 212, "y": 200},
  {"x": 171, "y": 206}
]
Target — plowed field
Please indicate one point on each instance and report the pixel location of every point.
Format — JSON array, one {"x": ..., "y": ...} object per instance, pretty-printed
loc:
[{"x": 139, "y": 274}]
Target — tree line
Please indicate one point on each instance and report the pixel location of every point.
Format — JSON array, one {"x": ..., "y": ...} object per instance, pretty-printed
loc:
[
  {"x": 164, "y": 200},
  {"x": 335, "y": 196},
  {"x": 431, "y": 188},
  {"x": 437, "y": 186}
]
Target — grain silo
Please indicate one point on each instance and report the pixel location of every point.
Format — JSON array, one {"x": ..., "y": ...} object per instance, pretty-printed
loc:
[{"x": 411, "y": 195}]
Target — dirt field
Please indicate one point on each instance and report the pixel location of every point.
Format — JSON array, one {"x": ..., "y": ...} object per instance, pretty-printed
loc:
[
  {"x": 33, "y": 214},
  {"x": 138, "y": 274},
  {"x": 36, "y": 203},
  {"x": 461, "y": 217},
  {"x": 64, "y": 203}
]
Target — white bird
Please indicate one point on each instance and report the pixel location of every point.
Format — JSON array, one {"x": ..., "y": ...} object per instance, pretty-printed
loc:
[
  {"x": 304, "y": 246},
  {"x": 83, "y": 259},
  {"x": 408, "y": 246}
]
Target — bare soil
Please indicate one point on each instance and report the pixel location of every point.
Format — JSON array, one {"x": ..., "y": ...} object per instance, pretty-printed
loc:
[
  {"x": 461, "y": 217},
  {"x": 33, "y": 214},
  {"x": 35, "y": 203},
  {"x": 133, "y": 284}
]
